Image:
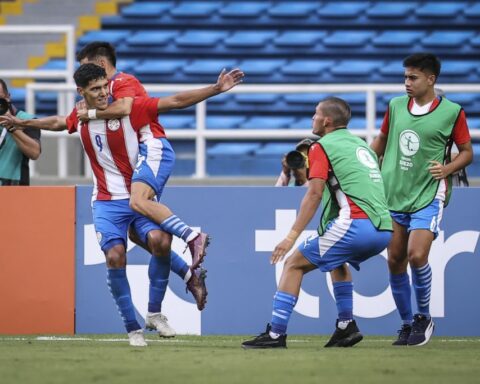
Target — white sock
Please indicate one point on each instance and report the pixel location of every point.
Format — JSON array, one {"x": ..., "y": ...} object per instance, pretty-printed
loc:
[
  {"x": 274, "y": 335},
  {"x": 343, "y": 324},
  {"x": 192, "y": 236},
  {"x": 188, "y": 275}
]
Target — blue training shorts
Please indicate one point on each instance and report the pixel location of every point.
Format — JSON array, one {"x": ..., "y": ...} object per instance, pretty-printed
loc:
[
  {"x": 156, "y": 159},
  {"x": 345, "y": 241},
  {"x": 111, "y": 220},
  {"x": 428, "y": 218}
]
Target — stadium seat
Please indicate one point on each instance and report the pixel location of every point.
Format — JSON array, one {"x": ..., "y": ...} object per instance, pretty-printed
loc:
[
  {"x": 113, "y": 37},
  {"x": 310, "y": 99},
  {"x": 458, "y": 68},
  {"x": 299, "y": 38},
  {"x": 159, "y": 67},
  {"x": 208, "y": 67},
  {"x": 356, "y": 67},
  {"x": 357, "y": 123},
  {"x": 194, "y": 38},
  {"x": 232, "y": 149},
  {"x": 348, "y": 39},
  {"x": 127, "y": 65},
  {"x": 292, "y": 9},
  {"x": 177, "y": 122},
  {"x": 54, "y": 64},
  {"x": 473, "y": 11},
  {"x": 395, "y": 68},
  {"x": 440, "y": 9},
  {"x": 275, "y": 149},
  {"x": 447, "y": 39},
  {"x": 190, "y": 9},
  {"x": 224, "y": 122},
  {"x": 151, "y": 38},
  {"x": 250, "y": 38},
  {"x": 146, "y": 9},
  {"x": 244, "y": 9},
  {"x": 268, "y": 122},
  {"x": 398, "y": 38},
  {"x": 303, "y": 123},
  {"x": 475, "y": 41},
  {"x": 261, "y": 66},
  {"x": 257, "y": 98},
  {"x": 307, "y": 67},
  {"x": 392, "y": 10},
  {"x": 342, "y": 10}
]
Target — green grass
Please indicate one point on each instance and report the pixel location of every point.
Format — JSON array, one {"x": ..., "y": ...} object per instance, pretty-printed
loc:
[{"x": 219, "y": 359}]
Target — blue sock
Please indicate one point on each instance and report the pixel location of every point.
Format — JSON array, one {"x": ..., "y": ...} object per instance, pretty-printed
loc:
[
  {"x": 402, "y": 292},
  {"x": 178, "y": 265},
  {"x": 422, "y": 284},
  {"x": 283, "y": 304},
  {"x": 343, "y": 292},
  {"x": 176, "y": 227},
  {"x": 158, "y": 271},
  {"x": 120, "y": 289}
]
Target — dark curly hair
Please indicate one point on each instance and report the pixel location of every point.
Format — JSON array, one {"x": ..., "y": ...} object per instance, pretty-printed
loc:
[
  {"x": 426, "y": 62},
  {"x": 87, "y": 73},
  {"x": 98, "y": 49}
]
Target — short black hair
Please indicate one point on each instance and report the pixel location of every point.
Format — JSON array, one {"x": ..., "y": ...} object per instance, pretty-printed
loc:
[
  {"x": 98, "y": 49},
  {"x": 338, "y": 109},
  {"x": 87, "y": 73},
  {"x": 426, "y": 62},
  {"x": 4, "y": 86}
]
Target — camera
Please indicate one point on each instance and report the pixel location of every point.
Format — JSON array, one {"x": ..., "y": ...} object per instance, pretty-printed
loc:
[
  {"x": 296, "y": 159},
  {"x": 4, "y": 106}
]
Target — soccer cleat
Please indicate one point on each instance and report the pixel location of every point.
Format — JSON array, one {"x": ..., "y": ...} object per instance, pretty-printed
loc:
[
  {"x": 264, "y": 341},
  {"x": 136, "y": 339},
  {"x": 403, "y": 335},
  {"x": 347, "y": 337},
  {"x": 158, "y": 322},
  {"x": 422, "y": 330},
  {"x": 196, "y": 285},
  {"x": 198, "y": 248}
]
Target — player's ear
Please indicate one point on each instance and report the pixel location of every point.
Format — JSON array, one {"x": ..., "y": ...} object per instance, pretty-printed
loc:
[{"x": 80, "y": 91}]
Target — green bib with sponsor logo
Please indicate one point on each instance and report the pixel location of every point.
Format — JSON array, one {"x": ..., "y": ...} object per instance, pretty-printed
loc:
[
  {"x": 355, "y": 167},
  {"x": 412, "y": 142}
]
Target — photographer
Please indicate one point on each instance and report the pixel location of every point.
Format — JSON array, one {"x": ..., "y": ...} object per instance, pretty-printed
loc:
[
  {"x": 16, "y": 147},
  {"x": 294, "y": 166}
]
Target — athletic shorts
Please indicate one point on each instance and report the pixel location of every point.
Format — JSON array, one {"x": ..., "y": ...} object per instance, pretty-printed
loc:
[
  {"x": 427, "y": 218},
  {"x": 156, "y": 159},
  {"x": 345, "y": 241},
  {"x": 111, "y": 220}
]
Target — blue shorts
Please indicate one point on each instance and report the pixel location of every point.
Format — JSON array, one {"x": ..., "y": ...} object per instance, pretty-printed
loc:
[
  {"x": 111, "y": 220},
  {"x": 345, "y": 241},
  {"x": 427, "y": 218},
  {"x": 156, "y": 159}
]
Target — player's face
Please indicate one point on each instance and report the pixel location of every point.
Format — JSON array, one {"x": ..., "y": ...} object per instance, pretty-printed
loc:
[
  {"x": 96, "y": 94},
  {"x": 418, "y": 83},
  {"x": 319, "y": 122}
]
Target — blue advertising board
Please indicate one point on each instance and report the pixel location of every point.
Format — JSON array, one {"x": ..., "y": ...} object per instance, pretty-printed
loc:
[{"x": 245, "y": 224}]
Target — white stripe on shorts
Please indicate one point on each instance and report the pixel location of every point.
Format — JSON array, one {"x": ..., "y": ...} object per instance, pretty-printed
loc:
[{"x": 335, "y": 233}]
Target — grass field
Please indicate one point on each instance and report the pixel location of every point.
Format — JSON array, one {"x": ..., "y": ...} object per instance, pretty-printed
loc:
[{"x": 219, "y": 359}]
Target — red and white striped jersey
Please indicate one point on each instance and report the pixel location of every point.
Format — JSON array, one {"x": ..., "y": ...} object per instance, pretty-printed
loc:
[{"x": 112, "y": 148}]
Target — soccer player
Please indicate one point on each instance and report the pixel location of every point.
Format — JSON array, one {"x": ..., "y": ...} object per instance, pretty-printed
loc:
[
  {"x": 156, "y": 155},
  {"x": 415, "y": 140},
  {"x": 355, "y": 225},
  {"x": 112, "y": 148}
]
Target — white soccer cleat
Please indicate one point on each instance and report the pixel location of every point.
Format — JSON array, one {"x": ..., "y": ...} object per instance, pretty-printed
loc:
[
  {"x": 158, "y": 322},
  {"x": 136, "y": 338}
]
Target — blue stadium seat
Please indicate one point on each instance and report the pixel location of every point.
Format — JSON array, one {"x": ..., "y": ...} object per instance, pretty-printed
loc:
[
  {"x": 146, "y": 9},
  {"x": 458, "y": 68},
  {"x": 384, "y": 10},
  {"x": 474, "y": 123},
  {"x": 257, "y": 98},
  {"x": 343, "y": 10},
  {"x": 232, "y": 149},
  {"x": 356, "y": 98},
  {"x": 208, "y": 67},
  {"x": 440, "y": 9},
  {"x": 261, "y": 66},
  {"x": 194, "y": 38},
  {"x": 307, "y": 67},
  {"x": 177, "y": 122},
  {"x": 464, "y": 99},
  {"x": 127, "y": 65},
  {"x": 348, "y": 38},
  {"x": 224, "y": 122},
  {"x": 398, "y": 38},
  {"x": 303, "y": 123},
  {"x": 250, "y": 38},
  {"x": 395, "y": 68},
  {"x": 151, "y": 38},
  {"x": 299, "y": 38},
  {"x": 244, "y": 9},
  {"x": 275, "y": 149},
  {"x": 357, "y": 123},
  {"x": 268, "y": 122},
  {"x": 473, "y": 11},
  {"x": 356, "y": 67},
  {"x": 54, "y": 64},
  {"x": 17, "y": 95},
  {"x": 232, "y": 159},
  {"x": 292, "y": 9},
  {"x": 447, "y": 38},
  {"x": 160, "y": 67},
  {"x": 113, "y": 37},
  {"x": 190, "y": 9},
  {"x": 309, "y": 99},
  {"x": 475, "y": 41}
]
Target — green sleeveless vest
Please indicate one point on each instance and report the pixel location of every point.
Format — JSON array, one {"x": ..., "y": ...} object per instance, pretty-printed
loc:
[
  {"x": 355, "y": 166},
  {"x": 412, "y": 142},
  {"x": 10, "y": 155}
]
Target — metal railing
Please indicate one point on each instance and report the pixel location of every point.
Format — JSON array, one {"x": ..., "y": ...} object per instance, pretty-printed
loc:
[{"x": 201, "y": 135}]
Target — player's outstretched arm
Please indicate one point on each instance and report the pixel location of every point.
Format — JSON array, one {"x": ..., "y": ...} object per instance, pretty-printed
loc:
[
  {"x": 226, "y": 81},
  {"x": 50, "y": 123},
  {"x": 308, "y": 207}
]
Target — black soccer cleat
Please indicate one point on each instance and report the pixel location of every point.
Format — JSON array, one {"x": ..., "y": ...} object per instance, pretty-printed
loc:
[
  {"x": 347, "y": 337},
  {"x": 264, "y": 341},
  {"x": 422, "y": 330},
  {"x": 403, "y": 335}
]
